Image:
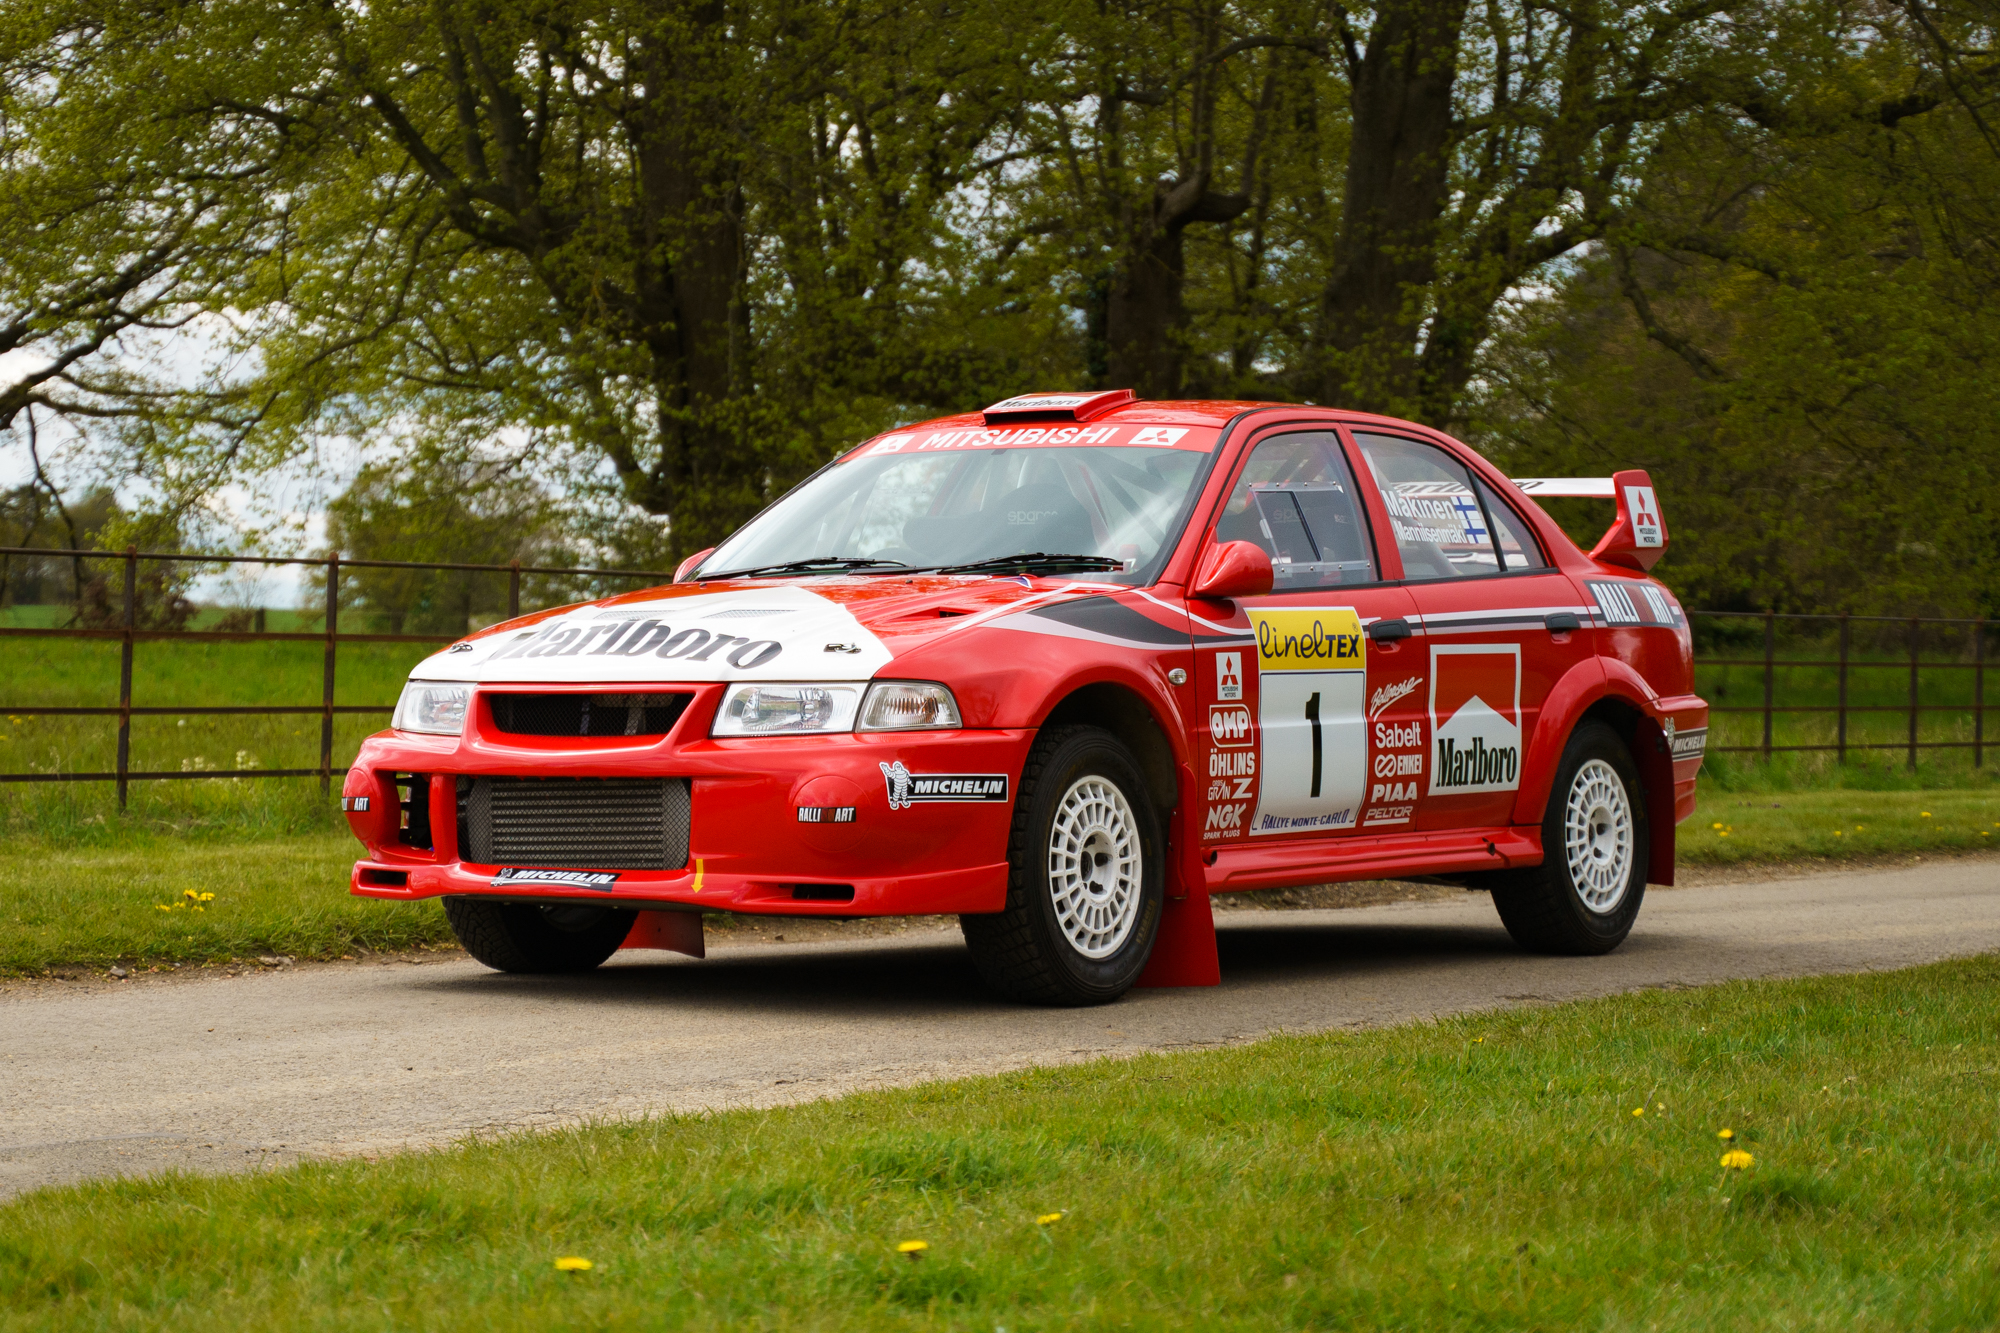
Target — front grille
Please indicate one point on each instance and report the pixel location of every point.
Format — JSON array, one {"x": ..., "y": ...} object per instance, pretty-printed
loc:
[
  {"x": 574, "y": 823},
  {"x": 586, "y": 714}
]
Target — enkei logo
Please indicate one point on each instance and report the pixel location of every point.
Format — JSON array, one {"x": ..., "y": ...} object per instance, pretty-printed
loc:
[{"x": 1229, "y": 724}]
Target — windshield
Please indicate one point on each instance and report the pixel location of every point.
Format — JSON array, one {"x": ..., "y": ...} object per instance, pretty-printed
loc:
[{"x": 936, "y": 510}]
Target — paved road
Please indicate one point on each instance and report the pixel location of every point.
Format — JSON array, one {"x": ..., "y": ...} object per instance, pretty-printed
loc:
[{"x": 233, "y": 1073}]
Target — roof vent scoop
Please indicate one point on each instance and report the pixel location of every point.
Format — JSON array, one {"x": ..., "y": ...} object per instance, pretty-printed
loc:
[{"x": 1058, "y": 406}]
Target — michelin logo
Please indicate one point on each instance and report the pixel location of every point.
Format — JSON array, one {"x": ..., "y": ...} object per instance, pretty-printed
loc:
[
  {"x": 577, "y": 879},
  {"x": 907, "y": 788}
]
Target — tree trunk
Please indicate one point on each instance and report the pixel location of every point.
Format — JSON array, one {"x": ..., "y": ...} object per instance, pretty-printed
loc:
[
  {"x": 1384, "y": 255},
  {"x": 1145, "y": 315}
]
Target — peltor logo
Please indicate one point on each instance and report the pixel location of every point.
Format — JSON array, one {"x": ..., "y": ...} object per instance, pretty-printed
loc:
[{"x": 1475, "y": 718}]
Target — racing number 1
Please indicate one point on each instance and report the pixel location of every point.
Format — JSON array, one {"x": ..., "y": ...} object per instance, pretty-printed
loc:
[{"x": 1312, "y": 717}]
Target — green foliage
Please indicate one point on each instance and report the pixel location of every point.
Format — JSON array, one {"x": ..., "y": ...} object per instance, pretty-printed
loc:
[{"x": 1480, "y": 1172}]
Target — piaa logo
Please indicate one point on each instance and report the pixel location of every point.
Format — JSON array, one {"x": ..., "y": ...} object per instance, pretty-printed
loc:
[
  {"x": 1475, "y": 718},
  {"x": 1229, "y": 724}
]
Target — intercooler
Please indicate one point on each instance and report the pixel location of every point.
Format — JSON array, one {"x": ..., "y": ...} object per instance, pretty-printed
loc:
[{"x": 574, "y": 823}]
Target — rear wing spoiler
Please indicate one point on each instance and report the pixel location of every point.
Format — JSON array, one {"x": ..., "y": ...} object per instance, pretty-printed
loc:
[{"x": 1638, "y": 537}]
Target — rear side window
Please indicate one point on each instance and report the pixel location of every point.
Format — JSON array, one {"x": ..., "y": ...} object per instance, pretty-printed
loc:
[
  {"x": 1437, "y": 519},
  {"x": 1518, "y": 547},
  {"x": 1296, "y": 500}
]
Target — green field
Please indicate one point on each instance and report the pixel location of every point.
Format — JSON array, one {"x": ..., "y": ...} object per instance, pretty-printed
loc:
[
  {"x": 1486, "y": 1172},
  {"x": 94, "y": 899}
]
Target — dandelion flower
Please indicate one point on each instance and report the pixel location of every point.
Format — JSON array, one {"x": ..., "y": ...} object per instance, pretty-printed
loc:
[
  {"x": 914, "y": 1248},
  {"x": 1926, "y": 814},
  {"x": 1047, "y": 1218},
  {"x": 1725, "y": 1134},
  {"x": 1736, "y": 1159},
  {"x": 1837, "y": 833},
  {"x": 1716, "y": 827},
  {"x": 574, "y": 1263},
  {"x": 1638, "y": 1111}
]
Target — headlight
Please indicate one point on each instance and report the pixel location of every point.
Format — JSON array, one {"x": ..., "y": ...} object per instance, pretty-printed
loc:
[
  {"x": 786, "y": 710},
  {"x": 434, "y": 706},
  {"x": 907, "y": 705}
]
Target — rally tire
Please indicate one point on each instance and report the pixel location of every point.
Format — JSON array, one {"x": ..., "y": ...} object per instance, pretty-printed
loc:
[
  {"x": 531, "y": 937},
  {"x": 1086, "y": 879},
  {"x": 1585, "y": 895}
]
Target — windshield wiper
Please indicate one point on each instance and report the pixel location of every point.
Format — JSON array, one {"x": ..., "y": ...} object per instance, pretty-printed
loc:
[
  {"x": 1035, "y": 560},
  {"x": 812, "y": 562}
]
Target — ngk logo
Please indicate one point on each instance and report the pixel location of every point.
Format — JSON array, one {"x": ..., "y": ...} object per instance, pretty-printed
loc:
[{"x": 1229, "y": 724}]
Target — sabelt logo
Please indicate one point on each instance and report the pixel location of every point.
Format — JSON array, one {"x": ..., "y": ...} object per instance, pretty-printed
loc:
[
  {"x": 1229, "y": 724},
  {"x": 1321, "y": 639},
  {"x": 1475, "y": 718}
]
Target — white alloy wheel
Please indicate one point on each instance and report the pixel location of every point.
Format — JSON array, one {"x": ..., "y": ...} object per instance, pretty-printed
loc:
[
  {"x": 1597, "y": 836},
  {"x": 1095, "y": 867}
]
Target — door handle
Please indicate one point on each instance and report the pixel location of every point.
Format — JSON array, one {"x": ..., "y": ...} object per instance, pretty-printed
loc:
[
  {"x": 1388, "y": 631},
  {"x": 1561, "y": 622}
]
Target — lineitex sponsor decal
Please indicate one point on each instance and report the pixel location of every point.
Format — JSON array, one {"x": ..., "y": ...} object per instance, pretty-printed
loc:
[
  {"x": 907, "y": 788},
  {"x": 576, "y": 879}
]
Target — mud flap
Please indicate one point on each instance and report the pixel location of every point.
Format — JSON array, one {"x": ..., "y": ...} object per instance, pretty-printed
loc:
[
  {"x": 1184, "y": 950},
  {"x": 679, "y": 932}
]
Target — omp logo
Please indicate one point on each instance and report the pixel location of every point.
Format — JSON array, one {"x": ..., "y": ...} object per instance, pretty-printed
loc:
[
  {"x": 1389, "y": 694},
  {"x": 1162, "y": 435},
  {"x": 1475, "y": 718},
  {"x": 1030, "y": 515},
  {"x": 1316, "y": 639},
  {"x": 1229, "y": 724}
]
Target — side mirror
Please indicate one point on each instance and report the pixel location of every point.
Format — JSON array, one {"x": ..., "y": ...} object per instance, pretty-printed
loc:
[
  {"x": 1232, "y": 569},
  {"x": 1639, "y": 538},
  {"x": 689, "y": 565}
]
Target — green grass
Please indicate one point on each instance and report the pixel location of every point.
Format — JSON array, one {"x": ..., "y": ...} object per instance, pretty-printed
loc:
[
  {"x": 1484, "y": 1172},
  {"x": 95, "y": 906},
  {"x": 1843, "y": 823}
]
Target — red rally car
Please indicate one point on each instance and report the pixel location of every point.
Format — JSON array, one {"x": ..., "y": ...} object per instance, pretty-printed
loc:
[{"x": 1066, "y": 668}]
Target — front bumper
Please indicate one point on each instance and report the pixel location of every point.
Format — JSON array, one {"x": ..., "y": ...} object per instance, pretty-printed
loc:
[{"x": 748, "y": 848}]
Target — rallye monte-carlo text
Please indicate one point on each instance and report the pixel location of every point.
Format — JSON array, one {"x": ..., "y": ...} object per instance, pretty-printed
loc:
[{"x": 1066, "y": 668}]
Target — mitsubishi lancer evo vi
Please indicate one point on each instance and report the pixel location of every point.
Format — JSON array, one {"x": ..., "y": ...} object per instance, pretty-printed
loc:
[{"x": 1065, "y": 669}]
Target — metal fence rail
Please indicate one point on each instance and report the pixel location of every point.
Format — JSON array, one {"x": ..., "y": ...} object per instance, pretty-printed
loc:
[
  {"x": 129, "y": 636},
  {"x": 1845, "y": 664}
]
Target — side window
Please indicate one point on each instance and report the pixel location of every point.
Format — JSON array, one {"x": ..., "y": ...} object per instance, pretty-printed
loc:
[
  {"x": 1437, "y": 519},
  {"x": 1518, "y": 547},
  {"x": 1296, "y": 500}
]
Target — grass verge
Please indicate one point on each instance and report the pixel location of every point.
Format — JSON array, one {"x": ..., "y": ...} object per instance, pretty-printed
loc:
[
  {"x": 1491, "y": 1171},
  {"x": 95, "y": 900},
  {"x": 95, "y": 906}
]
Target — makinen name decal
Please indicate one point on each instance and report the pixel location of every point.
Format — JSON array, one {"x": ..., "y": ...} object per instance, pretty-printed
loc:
[
  {"x": 907, "y": 788},
  {"x": 636, "y": 638}
]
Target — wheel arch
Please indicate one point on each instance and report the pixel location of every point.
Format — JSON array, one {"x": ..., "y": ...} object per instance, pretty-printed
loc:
[
  {"x": 1125, "y": 713},
  {"x": 1612, "y": 702}
]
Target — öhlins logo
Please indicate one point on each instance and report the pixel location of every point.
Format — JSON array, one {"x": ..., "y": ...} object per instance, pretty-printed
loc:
[{"x": 1310, "y": 639}]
